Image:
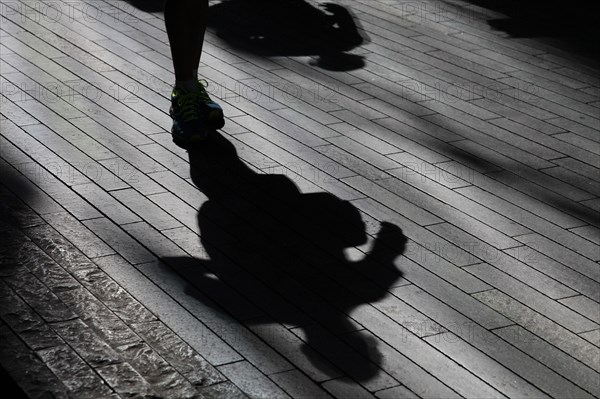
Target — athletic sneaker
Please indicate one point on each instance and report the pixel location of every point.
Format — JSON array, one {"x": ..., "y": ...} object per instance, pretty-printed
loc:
[{"x": 194, "y": 115}]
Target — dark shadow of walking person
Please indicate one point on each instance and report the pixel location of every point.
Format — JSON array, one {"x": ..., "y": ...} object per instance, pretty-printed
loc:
[
  {"x": 293, "y": 243},
  {"x": 290, "y": 28}
]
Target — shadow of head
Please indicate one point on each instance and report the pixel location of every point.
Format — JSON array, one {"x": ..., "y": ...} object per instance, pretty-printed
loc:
[{"x": 265, "y": 238}]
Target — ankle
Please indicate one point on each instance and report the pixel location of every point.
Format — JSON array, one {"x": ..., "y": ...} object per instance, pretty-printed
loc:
[{"x": 186, "y": 85}]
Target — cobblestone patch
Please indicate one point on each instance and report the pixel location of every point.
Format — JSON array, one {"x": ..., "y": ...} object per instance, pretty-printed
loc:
[
  {"x": 81, "y": 380},
  {"x": 178, "y": 353},
  {"x": 99, "y": 318},
  {"x": 23, "y": 320},
  {"x": 222, "y": 390},
  {"x": 86, "y": 343},
  {"x": 65, "y": 326},
  {"x": 39, "y": 297},
  {"x": 167, "y": 382},
  {"x": 127, "y": 382},
  {"x": 113, "y": 296},
  {"x": 26, "y": 368}
]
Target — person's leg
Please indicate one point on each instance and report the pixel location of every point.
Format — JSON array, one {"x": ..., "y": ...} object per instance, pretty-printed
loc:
[
  {"x": 194, "y": 113},
  {"x": 185, "y": 21}
]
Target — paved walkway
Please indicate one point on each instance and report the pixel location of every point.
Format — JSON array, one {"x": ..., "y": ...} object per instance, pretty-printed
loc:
[{"x": 402, "y": 207}]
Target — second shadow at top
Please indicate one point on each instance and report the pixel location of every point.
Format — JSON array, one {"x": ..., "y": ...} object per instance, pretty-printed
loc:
[{"x": 290, "y": 28}]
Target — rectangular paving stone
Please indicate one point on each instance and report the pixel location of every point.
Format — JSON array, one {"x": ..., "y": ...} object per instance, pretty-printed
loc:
[
  {"x": 300, "y": 119},
  {"x": 58, "y": 191},
  {"x": 592, "y": 336},
  {"x": 99, "y": 317},
  {"x": 174, "y": 206},
  {"x": 188, "y": 240},
  {"x": 78, "y": 160},
  {"x": 359, "y": 135},
  {"x": 154, "y": 240},
  {"x": 176, "y": 317},
  {"x": 24, "y": 188},
  {"x": 51, "y": 163},
  {"x": 388, "y": 198},
  {"x": 385, "y": 130},
  {"x": 126, "y": 381},
  {"x": 362, "y": 151},
  {"x": 24, "y": 321},
  {"x": 132, "y": 175},
  {"x": 59, "y": 249},
  {"x": 542, "y": 327},
  {"x": 568, "y": 256},
  {"x": 401, "y": 368},
  {"x": 518, "y": 116},
  {"x": 184, "y": 190},
  {"x": 410, "y": 319},
  {"x": 119, "y": 240},
  {"x": 120, "y": 142},
  {"x": 584, "y": 306},
  {"x": 530, "y": 221},
  {"x": 579, "y": 167},
  {"x": 507, "y": 145},
  {"x": 297, "y": 385},
  {"x": 535, "y": 300},
  {"x": 292, "y": 347},
  {"x": 498, "y": 376},
  {"x": 574, "y": 127},
  {"x": 161, "y": 376},
  {"x": 52, "y": 275},
  {"x": 351, "y": 162},
  {"x": 167, "y": 159},
  {"x": 414, "y": 168},
  {"x": 225, "y": 390},
  {"x": 78, "y": 234},
  {"x": 501, "y": 193},
  {"x": 576, "y": 211},
  {"x": 39, "y": 297},
  {"x": 528, "y": 174},
  {"x": 105, "y": 203},
  {"x": 20, "y": 362},
  {"x": 147, "y": 210},
  {"x": 574, "y": 177},
  {"x": 474, "y": 218},
  {"x": 290, "y": 152},
  {"x": 419, "y": 352},
  {"x": 527, "y": 368},
  {"x": 79, "y": 378},
  {"x": 113, "y": 295},
  {"x": 344, "y": 357},
  {"x": 251, "y": 381},
  {"x": 178, "y": 353},
  {"x": 86, "y": 343},
  {"x": 346, "y": 388},
  {"x": 552, "y": 357},
  {"x": 520, "y": 262}
]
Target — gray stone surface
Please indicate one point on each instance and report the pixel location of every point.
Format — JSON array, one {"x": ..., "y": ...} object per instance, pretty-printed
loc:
[
  {"x": 480, "y": 145},
  {"x": 27, "y": 369},
  {"x": 178, "y": 353},
  {"x": 251, "y": 381},
  {"x": 543, "y": 327},
  {"x": 79, "y": 378}
]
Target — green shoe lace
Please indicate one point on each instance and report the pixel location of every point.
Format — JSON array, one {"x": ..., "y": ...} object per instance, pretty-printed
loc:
[
  {"x": 187, "y": 103},
  {"x": 201, "y": 91}
]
